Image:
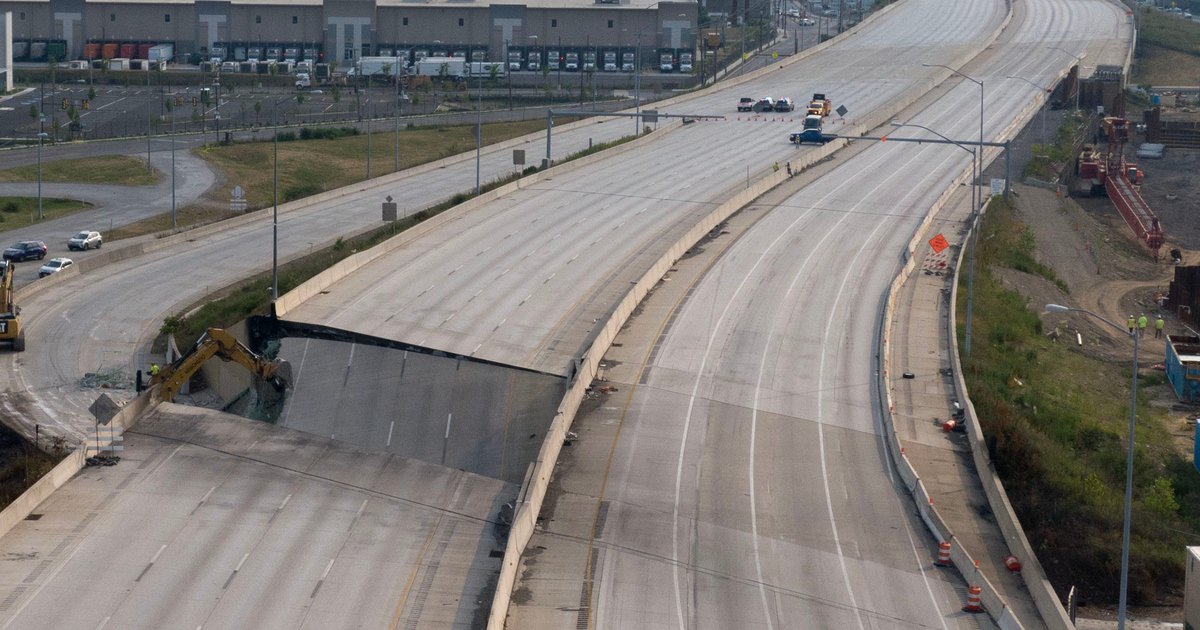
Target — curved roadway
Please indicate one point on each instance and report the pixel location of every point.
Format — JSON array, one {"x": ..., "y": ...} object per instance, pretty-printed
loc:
[
  {"x": 747, "y": 484},
  {"x": 570, "y": 244}
]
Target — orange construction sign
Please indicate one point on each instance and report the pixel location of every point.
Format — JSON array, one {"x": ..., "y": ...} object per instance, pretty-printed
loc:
[{"x": 938, "y": 243}]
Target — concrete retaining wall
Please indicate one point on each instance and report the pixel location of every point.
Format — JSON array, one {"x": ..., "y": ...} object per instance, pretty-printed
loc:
[{"x": 1050, "y": 608}]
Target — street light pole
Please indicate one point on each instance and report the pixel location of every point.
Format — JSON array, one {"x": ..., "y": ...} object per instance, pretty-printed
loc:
[
  {"x": 1045, "y": 100},
  {"x": 1079, "y": 69},
  {"x": 977, "y": 202},
  {"x": 275, "y": 214},
  {"x": 478, "y": 134},
  {"x": 1135, "y": 335}
]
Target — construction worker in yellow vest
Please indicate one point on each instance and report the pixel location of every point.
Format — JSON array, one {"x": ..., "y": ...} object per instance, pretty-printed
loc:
[
  {"x": 153, "y": 370},
  {"x": 1142, "y": 321},
  {"x": 1132, "y": 324},
  {"x": 1159, "y": 324}
]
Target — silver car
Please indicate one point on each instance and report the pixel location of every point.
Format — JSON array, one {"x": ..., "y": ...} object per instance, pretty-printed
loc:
[
  {"x": 84, "y": 241},
  {"x": 54, "y": 265}
]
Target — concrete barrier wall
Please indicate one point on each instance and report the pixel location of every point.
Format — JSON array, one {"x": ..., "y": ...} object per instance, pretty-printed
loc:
[
  {"x": 525, "y": 519},
  {"x": 1040, "y": 589},
  {"x": 62, "y": 472},
  {"x": 25, "y": 504}
]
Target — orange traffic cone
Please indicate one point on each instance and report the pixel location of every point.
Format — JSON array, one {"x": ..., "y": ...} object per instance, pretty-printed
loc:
[
  {"x": 1012, "y": 564},
  {"x": 943, "y": 559},
  {"x": 974, "y": 604}
]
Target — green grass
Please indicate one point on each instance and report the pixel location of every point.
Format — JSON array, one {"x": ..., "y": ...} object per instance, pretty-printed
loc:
[
  {"x": 308, "y": 167},
  {"x": 124, "y": 170},
  {"x": 1170, "y": 31},
  {"x": 1162, "y": 66},
  {"x": 18, "y": 212},
  {"x": 1055, "y": 422}
]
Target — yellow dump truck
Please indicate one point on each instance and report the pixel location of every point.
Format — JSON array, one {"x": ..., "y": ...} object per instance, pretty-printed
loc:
[{"x": 820, "y": 106}]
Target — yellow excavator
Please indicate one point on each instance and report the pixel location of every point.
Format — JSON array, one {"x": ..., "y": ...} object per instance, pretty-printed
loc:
[
  {"x": 215, "y": 342},
  {"x": 10, "y": 318}
]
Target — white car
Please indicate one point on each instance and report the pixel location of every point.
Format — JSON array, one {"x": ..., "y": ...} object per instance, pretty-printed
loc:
[
  {"x": 54, "y": 265},
  {"x": 84, "y": 241}
]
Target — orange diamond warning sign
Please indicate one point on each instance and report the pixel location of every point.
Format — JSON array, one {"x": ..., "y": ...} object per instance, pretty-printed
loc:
[{"x": 938, "y": 243}]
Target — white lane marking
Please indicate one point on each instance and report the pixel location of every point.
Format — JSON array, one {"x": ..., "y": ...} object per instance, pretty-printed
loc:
[
  {"x": 103, "y": 623},
  {"x": 296, "y": 372},
  {"x": 241, "y": 562},
  {"x": 550, "y": 277},
  {"x": 449, "y": 417},
  {"x": 526, "y": 299},
  {"x": 762, "y": 585},
  {"x": 157, "y": 554},
  {"x": 476, "y": 349},
  {"x": 284, "y": 504},
  {"x": 687, "y": 421},
  {"x": 390, "y": 427},
  {"x": 49, "y": 578},
  {"x": 506, "y": 271},
  {"x": 573, "y": 259},
  {"x": 455, "y": 270},
  {"x": 476, "y": 295},
  {"x": 325, "y": 573}
]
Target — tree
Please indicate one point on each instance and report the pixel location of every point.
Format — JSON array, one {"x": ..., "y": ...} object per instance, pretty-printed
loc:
[
  {"x": 91, "y": 94},
  {"x": 300, "y": 99},
  {"x": 257, "y": 111},
  {"x": 337, "y": 94},
  {"x": 33, "y": 112}
]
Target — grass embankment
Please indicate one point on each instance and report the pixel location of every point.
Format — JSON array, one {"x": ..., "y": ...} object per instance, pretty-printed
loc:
[
  {"x": 1168, "y": 49},
  {"x": 1047, "y": 159},
  {"x": 332, "y": 158},
  {"x": 124, "y": 170},
  {"x": 17, "y": 212},
  {"x": 1056, "y": 422},
  {"x": 252, "y": 297}
]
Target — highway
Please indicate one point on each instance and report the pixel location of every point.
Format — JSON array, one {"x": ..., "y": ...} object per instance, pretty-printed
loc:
[
  {"x": 218, "y": 522},
  {"x": 742, "y": 481},
  {"x": 606, "y": 220}
]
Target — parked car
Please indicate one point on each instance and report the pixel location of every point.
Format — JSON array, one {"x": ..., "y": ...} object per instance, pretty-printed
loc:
[
  {"x": 807, "y": 22},
  {"x": 26, "y": 250},
  {"x": 84, "y": 241},
  {"x": 785, "y": 104},
  {"x": 745, "y": 104},
  {"x": 54, "y": 265}
]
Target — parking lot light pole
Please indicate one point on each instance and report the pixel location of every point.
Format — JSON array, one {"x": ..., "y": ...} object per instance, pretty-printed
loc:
[
  {"x": 41, "y": 134},
  {"x": 275, "y": 213},
  {"x": 478, "y": 133},
  {"x": 1121, "y": 606},
  {"x": 174, "y": 221}
]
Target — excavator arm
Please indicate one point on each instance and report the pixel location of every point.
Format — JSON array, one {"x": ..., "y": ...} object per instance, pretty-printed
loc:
[{"x": 216, "y": 342}]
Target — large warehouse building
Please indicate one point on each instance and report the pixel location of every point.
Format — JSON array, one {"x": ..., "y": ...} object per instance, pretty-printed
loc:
[{"x": 341, "y": 31}]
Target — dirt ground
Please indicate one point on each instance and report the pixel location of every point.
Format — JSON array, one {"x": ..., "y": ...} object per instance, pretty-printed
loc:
[{"x": 1108, "y": 271}]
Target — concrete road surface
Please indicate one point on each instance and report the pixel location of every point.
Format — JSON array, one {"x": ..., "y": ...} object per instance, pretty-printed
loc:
[
  {"x": 739, "y": 478},
  {"x": 218, "y": 522}
]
